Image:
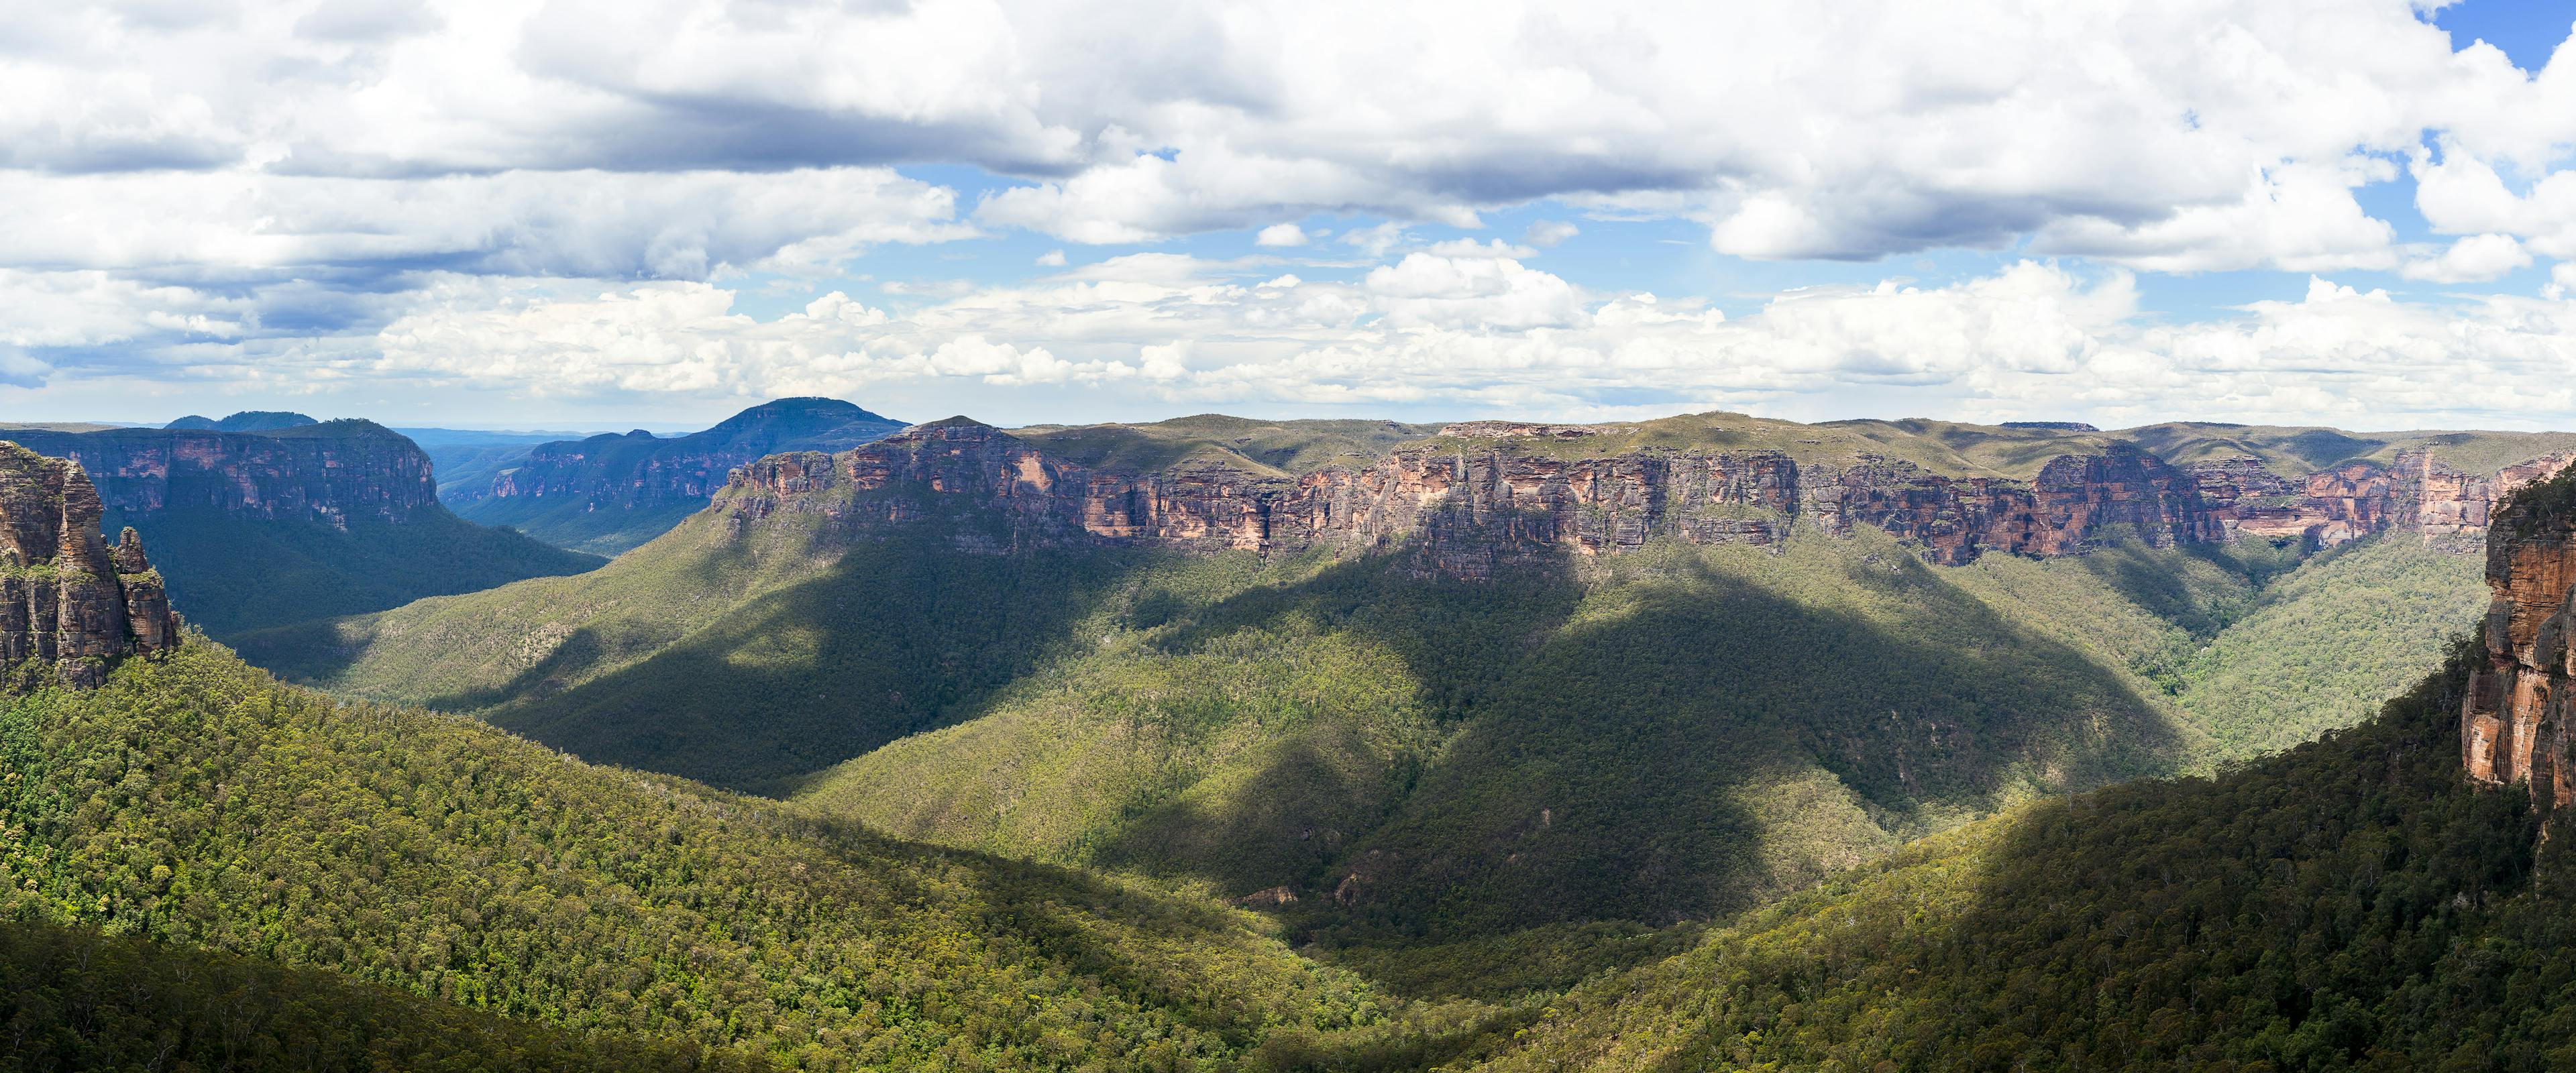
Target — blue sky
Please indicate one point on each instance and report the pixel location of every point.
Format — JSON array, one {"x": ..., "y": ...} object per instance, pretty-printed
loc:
[{"x": 564, "y": 214}]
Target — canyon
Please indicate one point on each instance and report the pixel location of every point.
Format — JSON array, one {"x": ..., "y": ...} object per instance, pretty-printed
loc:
[
  {"x": 1482, "y": 496},
  {"x": 70, "y": 603}
]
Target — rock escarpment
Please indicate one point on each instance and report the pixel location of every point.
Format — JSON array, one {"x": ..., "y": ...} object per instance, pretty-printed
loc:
[
  {"x": 69, "y": 603},
  {"x": 2073, "y": 502},
  {"x": 1474, "y": 506},
  {"x": 1484, "y": 495},
  {"x": 2415, "y": 492},
  {"x": 2518, "y": 721},
  {"x": 333, "y": 472}
]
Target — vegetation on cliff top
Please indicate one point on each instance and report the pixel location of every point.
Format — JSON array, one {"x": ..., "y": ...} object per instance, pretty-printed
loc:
[{"x": 1946, "y": 448}]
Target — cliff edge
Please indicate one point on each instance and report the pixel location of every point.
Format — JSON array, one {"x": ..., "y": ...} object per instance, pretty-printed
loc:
[
  {"x": 70, "y": 603},
  {"x": 2515, "y": 723}
]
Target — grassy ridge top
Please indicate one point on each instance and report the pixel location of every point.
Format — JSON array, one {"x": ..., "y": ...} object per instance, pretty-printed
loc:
[
  {"x": 1285, "y": 448},
  {"x": 1266, "y": 448},
  {"x": 1948, "y": 448},
  {"x": 2292, "y": 451}
]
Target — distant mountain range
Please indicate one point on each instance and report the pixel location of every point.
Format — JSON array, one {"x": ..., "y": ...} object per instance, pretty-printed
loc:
[
  {"x": 299, "y": 520},
  {"x": 610, "y": 492},
  {"x": 244, "y": 421}
]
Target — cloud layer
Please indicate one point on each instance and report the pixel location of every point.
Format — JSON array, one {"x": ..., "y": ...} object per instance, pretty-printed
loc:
[
  {"x": 556, "y": 197},
  {"x": 1479, "y": 334}
]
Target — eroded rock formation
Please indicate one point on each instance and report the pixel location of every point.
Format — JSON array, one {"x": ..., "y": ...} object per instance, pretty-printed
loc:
[
  {"x": 70, "y": 604},
  {"x": 2415, "y": 492},
  {"x": 1486, "y": 495},
  {"x": 2515, "y": 724},
  {"x": 2073, "y": 502}
]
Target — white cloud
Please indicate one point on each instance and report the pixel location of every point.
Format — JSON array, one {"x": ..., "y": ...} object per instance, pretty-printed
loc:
[
  {"x": 2474, "y": 259},
  {"x": 1479, "y": 335},
  {"x": 1376, "y": 239},
  {"x": 2183, "y": 135},
  {"x": 2464, "y": 195},
  {"x": 1468, "y": 247},
  {"x": 682, "y": 225},
  {"x": 1051, "y": 259},
  {"x": 1280, "y": 235},
  {"x": 1547, "y": 233},
  {"x": 247, "y": 192}
]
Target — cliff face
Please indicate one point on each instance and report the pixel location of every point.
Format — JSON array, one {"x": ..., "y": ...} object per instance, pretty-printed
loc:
[
  {"x": 1483, "y": 496},
  {"x": 1474, "y": 506},
  {"x": 2073, "y": 501},
  {"x": 68, "y": 601},
  {"x": 2515, "y": 724},
  {"x": 2416, "y": 492},
  {"x": 331, "y": 472}
]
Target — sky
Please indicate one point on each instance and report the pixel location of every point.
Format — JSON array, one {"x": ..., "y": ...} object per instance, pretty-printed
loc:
[{"x": 612, "y": 213}]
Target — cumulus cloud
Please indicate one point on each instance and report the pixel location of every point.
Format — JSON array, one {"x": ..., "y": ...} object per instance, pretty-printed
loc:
[
  {"x": 1470, "y": 335},
  {"x": 2474, "y": 259},
  {"x": 676, "y": 225},
  {"x": 2170, "y": 135},
  {"x": 1547, "y": 233},
  {"x": 263, "y": 191}
]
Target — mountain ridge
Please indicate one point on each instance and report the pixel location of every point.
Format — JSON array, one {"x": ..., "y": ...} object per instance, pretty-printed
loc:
[
  {"x": 254, "y": 529},
  {"x": 610, "y": 492}
]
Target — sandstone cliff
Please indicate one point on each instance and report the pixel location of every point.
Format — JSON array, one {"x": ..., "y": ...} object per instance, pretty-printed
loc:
[
  {"x": 330, "y": 472},
  {"x": 2515, "y": 723},
  {"x": 69, "y": 603},
  {"x": 2416, "y": 492},
  {"x": 1485, "y": 494}
]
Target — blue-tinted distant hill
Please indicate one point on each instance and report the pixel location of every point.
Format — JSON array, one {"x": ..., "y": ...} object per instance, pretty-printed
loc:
[
  {"x": 244, "y": 421},
  {"x": 312, "y": 520},
  {"x": 611, "y": 492},
  {"x": 464, "y": 459}
]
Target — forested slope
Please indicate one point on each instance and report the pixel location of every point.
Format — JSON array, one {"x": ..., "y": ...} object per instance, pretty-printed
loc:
[
  {"x": 73, "y": 998},
  {"x": 196, "y": 803},
  {"x": 2350, "y": 904}
]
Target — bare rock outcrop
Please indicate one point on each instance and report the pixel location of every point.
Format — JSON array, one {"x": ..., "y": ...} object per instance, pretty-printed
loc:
[
  {"x": 70, "y": 604},
  {"x": 2515, "y": 722},
  {"x": 1485, "y": 496},
  {"x": 2415, "y": 492}
]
